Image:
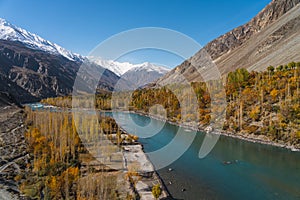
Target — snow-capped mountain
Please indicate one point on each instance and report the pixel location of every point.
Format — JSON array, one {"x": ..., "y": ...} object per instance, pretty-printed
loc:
[
  {"x": 148, "y": 67},
  {"x": 118, "y": 68},
  {"x": 137, "y": 75},
  {"x": 11, "y": 32},
  {"x": 33, "y": 68},
  {"x": 143, "y": 74},
  {"x": 132, "y": 74},
  {"x": 121, "y": 68}
]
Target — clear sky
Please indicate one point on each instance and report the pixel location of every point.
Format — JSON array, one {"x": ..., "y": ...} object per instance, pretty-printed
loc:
[{"x": 80, "y": 25}]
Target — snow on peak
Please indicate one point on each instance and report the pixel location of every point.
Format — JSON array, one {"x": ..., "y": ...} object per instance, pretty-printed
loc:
[
  {"x": 121, "y": 68},
  {"x": 13, "y": 33},
  {"x": 150, "y": 67},
  {"x": 114, "y": 66}
]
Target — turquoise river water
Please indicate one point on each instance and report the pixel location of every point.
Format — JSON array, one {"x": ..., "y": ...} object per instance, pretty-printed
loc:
[{"x": 256, "y": 171}]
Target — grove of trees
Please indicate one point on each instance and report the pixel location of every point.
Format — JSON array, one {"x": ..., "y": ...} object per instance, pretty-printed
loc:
[{"x": 258, "y": 103}]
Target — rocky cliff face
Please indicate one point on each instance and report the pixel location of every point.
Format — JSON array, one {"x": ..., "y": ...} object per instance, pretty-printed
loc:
[
  {"x": 29, "y": 75},
  {"x": 272, "y": 37},
  {"x": 241, "y": 34}
]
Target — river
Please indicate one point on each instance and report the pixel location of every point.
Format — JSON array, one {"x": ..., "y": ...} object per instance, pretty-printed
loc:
[{"x": 256, "y": 171}]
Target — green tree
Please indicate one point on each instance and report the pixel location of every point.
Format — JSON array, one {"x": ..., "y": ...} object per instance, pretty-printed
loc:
[
  {"x": 292, "y": 65},
  {"x": 271, "y": 68},
  {"x": 279, "y": 68}
]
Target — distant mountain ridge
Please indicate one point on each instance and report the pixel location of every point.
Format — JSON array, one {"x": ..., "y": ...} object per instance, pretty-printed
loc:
[
  {"x": 143, "y": 74},
  {"x": 149, "y": 67},
  {"x": 11, "y": 32},
  {"x": 120, "y": 68},
  {"x": 137, "y": 75},
  {"x": 114, "y": 66},
  {"x": 32, "y": 68},
  {"x": 272, "y": 37}
]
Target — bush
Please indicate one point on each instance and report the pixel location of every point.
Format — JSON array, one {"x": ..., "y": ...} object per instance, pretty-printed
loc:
[{"x": 156, "y": 191}]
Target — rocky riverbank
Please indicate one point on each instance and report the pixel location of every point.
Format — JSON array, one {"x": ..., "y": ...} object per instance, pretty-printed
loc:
[{"x": 247, "y": 137}]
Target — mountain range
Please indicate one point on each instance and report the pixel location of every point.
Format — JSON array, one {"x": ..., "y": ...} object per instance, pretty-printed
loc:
[
  {"x": 272, "y": 37},
  {"x": 11, "y": 32},
  {"x": 137, "y": 75},
  {"x": 32, "y": 68}
]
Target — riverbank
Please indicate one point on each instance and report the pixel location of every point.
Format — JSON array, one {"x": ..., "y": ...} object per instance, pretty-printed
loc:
[
  {"x": 261, "y": 139},
  {"x": 136, "y": 160}
]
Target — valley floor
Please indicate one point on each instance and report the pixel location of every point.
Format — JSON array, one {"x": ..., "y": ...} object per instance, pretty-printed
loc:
[{"x": 136, "y": 174}]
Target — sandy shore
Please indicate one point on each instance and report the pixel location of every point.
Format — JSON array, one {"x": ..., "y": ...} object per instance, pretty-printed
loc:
[{"x": 136, "y": 159}]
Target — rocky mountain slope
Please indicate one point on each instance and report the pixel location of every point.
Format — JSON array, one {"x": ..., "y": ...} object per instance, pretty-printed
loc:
[
  {"x": 32, "y": 68},
  {"x": 272, "y": 37},
  {"x": 13, "y": 147},
  {"x": 29, "y": 75},
  {"x": 6, "y": 100}
]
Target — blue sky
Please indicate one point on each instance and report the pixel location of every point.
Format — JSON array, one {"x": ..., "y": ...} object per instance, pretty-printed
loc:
[{"x": 81, "y": 25}]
